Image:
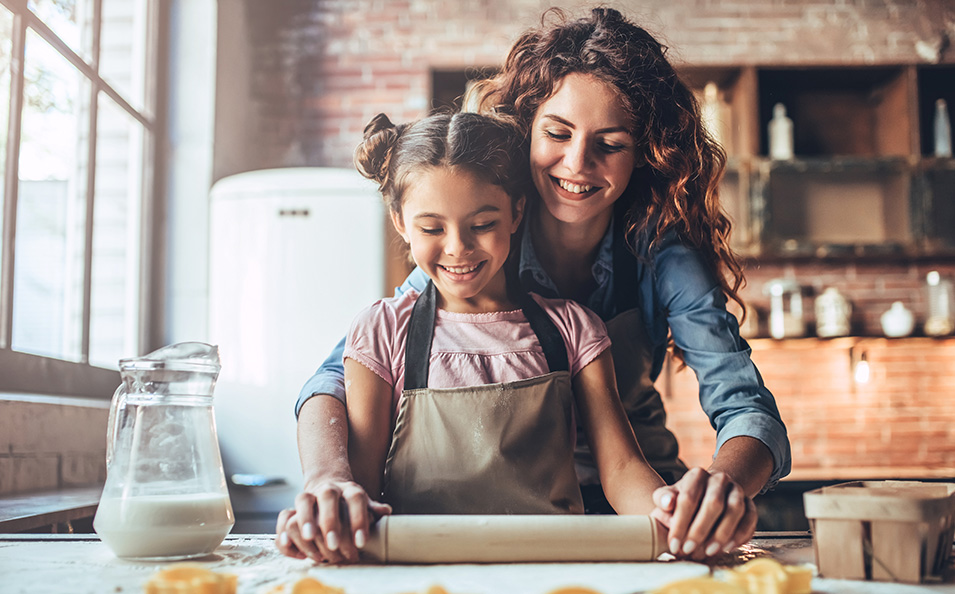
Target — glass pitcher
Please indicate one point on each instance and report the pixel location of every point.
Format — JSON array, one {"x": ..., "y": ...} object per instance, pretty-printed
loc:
[{"x": 165, "y": 496}]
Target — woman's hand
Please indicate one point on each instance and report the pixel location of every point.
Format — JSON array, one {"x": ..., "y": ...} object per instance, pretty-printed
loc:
[
  {"x": 706, "y": 513},
  {"x": 344, "y": 513}
]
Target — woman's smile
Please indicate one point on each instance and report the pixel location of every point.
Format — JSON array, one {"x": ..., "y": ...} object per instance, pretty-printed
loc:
[{"x": 575, "y": 190}]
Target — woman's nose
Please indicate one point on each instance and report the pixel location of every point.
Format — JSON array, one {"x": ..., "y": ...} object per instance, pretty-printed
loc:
[{"x": 577, "y": 157}]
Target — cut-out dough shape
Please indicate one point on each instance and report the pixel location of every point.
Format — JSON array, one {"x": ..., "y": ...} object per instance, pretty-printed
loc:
[{"x": 190, "y": 578}]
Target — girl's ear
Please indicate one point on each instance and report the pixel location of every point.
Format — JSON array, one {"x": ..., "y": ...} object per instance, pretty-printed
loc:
[
  {"x": 518, "y": 213},
  {"x": 399, "y": 224}
]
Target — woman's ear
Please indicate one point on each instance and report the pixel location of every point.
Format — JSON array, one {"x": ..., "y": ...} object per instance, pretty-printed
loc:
[
  {"x": 399, "y": 224},
  {"x": 518, "y": 213}
]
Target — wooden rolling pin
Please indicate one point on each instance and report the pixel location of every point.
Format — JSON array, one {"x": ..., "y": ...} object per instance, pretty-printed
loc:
[{"x": 513, "y": 539}]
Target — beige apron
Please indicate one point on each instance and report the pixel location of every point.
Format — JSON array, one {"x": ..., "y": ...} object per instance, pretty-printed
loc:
[
  {"x": 492, "y": 449},
  {"x": 632, "y": 351}
]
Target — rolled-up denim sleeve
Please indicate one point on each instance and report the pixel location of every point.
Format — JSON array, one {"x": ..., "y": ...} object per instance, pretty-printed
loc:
[
  {"x": 330, "y": 377},
  {"x": 732, "y": 392}
]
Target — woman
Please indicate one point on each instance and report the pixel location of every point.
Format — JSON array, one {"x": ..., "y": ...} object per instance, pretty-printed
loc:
[{"x": 628, "y": 223}]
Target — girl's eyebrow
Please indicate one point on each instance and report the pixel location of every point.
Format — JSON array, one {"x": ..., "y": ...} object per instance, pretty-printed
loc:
[
  {"x": 434, "y": 215},
  {"x": 560, "y": 120}
]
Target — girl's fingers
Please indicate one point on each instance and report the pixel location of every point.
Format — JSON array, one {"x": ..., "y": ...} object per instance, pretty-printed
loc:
[
  {"x": 665, "y": 498},
  {"x": 690, "y": 491},
  {"x": 282, "y": 541},
  {"x": 711, "y": 510},
  {"x": 295, "y": 540}
]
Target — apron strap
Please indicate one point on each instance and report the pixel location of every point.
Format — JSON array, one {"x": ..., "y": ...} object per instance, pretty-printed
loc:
[
  {"x": 547, "y": 333},
  {"x": 625, "y": 287},
  {"x": 421, "y": 333}
]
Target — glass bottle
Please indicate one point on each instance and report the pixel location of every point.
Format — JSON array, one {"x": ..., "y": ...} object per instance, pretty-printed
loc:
[{"x": 943, "y": 130}]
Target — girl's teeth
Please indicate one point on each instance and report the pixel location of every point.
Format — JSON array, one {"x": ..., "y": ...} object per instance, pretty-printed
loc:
[
  {"x": 460, "y": 269},
  {"x": 575, "y": 188}
]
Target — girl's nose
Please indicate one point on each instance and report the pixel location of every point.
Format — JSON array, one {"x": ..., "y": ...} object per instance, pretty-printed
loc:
[{"x": 458, "y": 243}]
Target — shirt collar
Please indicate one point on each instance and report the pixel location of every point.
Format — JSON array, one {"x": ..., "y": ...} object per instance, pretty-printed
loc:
[{"x": 534, "y": 277}]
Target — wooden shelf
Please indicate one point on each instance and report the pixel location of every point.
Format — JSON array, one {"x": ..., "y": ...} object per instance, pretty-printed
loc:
[
  {"x": 28, "y": 511},
  {"x": 863, "y": 183}
]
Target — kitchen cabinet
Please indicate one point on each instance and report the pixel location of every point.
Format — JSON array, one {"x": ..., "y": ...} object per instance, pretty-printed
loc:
[{"x": 863, "y": 180}]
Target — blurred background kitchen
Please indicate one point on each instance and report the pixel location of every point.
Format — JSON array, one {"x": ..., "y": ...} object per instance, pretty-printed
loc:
[{"x": 181, "y": 170}]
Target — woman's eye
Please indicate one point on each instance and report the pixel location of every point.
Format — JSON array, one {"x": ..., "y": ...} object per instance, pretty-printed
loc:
[
  {"x": 556, "y": 135},
  {"x": 485, "y": 227},
  {"x": 431, "y": 230},
  {"x": 611, "y": 148}
]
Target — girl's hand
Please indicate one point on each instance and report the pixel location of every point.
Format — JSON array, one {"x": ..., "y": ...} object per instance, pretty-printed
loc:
[
  {"x": 706, "y": 512},
  {"x": 344, "y": 513}
]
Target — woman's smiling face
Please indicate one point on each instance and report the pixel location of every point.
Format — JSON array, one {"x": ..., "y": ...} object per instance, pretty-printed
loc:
[{"x": 582, "y": 151}]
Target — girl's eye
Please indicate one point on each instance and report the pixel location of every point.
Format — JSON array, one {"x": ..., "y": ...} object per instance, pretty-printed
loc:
[
  {"x": 485, "y": 227},
  {"x": 556, "y": 135},
  {"x": 431, "y": 230}
]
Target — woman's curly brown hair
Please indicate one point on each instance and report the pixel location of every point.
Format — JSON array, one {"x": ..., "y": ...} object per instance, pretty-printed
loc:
[{"x": 678, "y": 189}]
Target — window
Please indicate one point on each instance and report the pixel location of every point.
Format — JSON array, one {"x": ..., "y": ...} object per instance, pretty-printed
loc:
[{"x": 77, "y": 131}]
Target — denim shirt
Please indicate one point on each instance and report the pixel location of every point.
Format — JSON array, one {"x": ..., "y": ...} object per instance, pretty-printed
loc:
[{"x": 678, "y": 295}]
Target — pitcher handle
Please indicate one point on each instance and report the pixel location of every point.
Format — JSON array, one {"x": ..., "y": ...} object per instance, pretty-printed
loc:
[{"x": 118, "y": 401}]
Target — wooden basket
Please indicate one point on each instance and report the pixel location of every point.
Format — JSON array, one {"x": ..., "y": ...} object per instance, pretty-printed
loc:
[{"x": 898, "y": 531}]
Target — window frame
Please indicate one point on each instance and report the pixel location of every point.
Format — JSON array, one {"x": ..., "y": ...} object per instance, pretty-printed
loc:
[{"x": 22, "y": 372}]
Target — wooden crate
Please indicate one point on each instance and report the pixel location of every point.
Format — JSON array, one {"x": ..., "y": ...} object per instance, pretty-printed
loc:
[{"x": 897, "y": 531}]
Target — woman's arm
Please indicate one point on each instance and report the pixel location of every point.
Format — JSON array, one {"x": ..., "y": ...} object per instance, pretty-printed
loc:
[
  {"x": 628, "y": 480},
  {"x": 709, "y": 510}
]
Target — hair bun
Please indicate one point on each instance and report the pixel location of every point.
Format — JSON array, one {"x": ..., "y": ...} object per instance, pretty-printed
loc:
[{"x": 373, "y": 155}]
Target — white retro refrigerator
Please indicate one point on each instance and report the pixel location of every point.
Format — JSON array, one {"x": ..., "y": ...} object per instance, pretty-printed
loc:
[{"x": 295, "y": 253}]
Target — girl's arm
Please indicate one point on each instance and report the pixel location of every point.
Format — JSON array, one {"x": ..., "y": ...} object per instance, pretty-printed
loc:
[
  {"x": 369, "y": 409},
  {"x": 627, "y": 478}
]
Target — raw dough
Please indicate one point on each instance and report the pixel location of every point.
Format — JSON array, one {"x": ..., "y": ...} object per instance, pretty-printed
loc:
[{"x": 190, "y": 578}]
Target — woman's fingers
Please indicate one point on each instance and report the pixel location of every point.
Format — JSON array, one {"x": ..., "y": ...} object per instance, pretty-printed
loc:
[
  {"x": 746, "y": 527},
  {"x": 329, "y": 529},
  {"x": 723, "y": 536},
  {"x": 711, "y": 513}
]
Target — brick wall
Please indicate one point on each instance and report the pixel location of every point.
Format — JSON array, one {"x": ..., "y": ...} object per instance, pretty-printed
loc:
[
  {"x": 64, "y": 446},
  {"x": 901, "y": 423},
  {"x": 318, "y": 71},
  {"x": 321, "y": 70}
]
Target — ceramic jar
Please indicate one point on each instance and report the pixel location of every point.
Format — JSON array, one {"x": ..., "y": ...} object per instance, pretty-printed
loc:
[
  {"x": 897, "y": 321},
  {"x": 833, "y": 313}
]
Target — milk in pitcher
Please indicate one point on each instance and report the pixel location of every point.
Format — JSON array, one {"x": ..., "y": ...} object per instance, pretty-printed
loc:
[{"x": 169, "y": 527}]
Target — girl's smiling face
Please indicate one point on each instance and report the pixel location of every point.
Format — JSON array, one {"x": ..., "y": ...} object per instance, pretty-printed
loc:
[
  {"x": 582, "y": 151},
  {"x": 459, "y": 228}
]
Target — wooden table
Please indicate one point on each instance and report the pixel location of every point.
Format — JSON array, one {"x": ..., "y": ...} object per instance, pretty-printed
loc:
[{"x": 78, "y": 564}]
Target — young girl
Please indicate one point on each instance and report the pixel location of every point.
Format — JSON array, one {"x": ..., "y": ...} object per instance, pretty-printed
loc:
[{"x": 462, "y": 397}]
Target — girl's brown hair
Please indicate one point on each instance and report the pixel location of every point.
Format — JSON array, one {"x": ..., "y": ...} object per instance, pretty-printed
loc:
[
  {"x": 678, "y": 189},
  {"x": 490, "y": 148}
]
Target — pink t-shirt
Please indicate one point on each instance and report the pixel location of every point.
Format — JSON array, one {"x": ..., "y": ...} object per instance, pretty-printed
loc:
[{"x": 472, "y": 349}]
